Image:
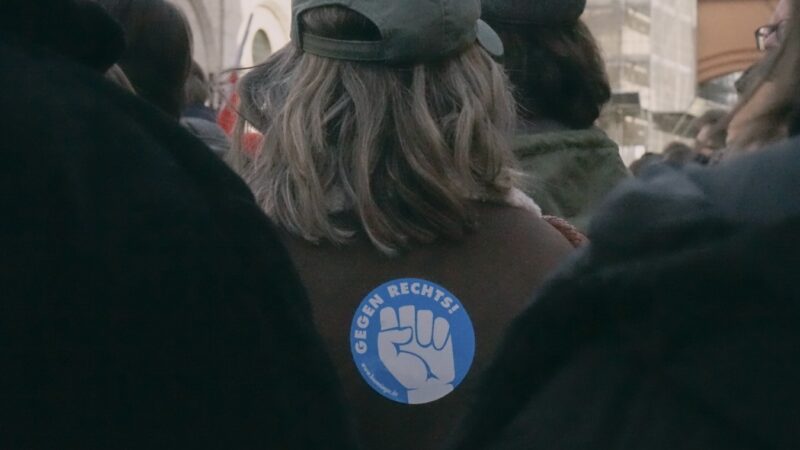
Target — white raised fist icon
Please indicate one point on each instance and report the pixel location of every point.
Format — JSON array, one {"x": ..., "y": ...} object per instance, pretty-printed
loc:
[{"x": 418, "y": 351}]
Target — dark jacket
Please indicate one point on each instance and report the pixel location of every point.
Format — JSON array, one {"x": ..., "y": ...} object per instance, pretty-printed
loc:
[
  {"x": 492, "y": 272},
  {"x": 677, "y": 328},
  {"x": 145, "y": 301},
  {"x": 201, "y": 121},
  {"x": 568, "y": 172}
]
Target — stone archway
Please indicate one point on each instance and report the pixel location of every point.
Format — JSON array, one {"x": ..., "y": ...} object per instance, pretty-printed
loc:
[
  {"x": 725, "y": 35},
  {"x": 270, "y": 23}
]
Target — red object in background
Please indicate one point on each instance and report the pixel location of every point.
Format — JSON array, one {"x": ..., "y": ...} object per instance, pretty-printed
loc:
[
  {"x": 228, "y": 115},
  {"x": 251, "y": 141}
]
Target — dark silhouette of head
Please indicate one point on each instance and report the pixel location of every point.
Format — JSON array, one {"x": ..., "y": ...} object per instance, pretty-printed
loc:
[
  {"x": 556, "y": 70},
  {"x": 197, "y": 88},
  {"x": 158, "y": 57}
]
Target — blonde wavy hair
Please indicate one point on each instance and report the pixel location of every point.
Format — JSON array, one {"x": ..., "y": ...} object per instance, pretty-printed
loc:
[{"x": 403, "y": 150}]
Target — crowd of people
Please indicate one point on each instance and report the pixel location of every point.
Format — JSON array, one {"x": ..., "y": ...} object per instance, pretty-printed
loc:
[{"x": 414, "y": 236}]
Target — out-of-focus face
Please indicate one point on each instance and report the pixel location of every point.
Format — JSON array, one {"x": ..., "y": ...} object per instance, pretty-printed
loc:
[
  {"x": 782, "y": 11},
  {"x": 781, "y": 14}
]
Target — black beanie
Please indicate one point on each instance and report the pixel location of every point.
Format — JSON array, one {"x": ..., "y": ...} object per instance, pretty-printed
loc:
[{"x": 539, "y": 12}]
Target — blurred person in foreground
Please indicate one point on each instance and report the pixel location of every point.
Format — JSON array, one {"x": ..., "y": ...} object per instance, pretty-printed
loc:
[
  {"x": 387, "y": 166},
  {"x": 768, "y": 39},
  {"x": 757, "y": 87},
  {"x": 561, "y": 86},
  {"x": 199, "y": 118},
  {"x": 146, "y": 302},
  {"x": 676, "y": 328},
  {"x": 158, "y": 54},
  {"x": 766, "y": 115}
]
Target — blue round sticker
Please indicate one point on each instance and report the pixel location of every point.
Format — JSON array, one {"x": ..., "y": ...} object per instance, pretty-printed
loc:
[{"x": 412, "y": 341}]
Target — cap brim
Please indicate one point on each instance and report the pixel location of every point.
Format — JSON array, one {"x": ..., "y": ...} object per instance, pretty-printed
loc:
[{"x": 489, "y": 40}]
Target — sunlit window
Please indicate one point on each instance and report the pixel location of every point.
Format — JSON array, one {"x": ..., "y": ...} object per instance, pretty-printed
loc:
[{"x": 262, "y": 48}]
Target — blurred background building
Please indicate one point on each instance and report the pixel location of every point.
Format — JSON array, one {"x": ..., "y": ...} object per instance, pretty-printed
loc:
[
  {"x": 668, "y": 60},
  {"x": 650, "y": 48},
  {"x": 231, "y": 34}
]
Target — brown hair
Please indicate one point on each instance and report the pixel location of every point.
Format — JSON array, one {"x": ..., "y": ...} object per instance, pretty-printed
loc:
[
  {"x": 557, "y": 72},
  {"x": 158, "y": 55},
  {"x": 405, "y": 149}
]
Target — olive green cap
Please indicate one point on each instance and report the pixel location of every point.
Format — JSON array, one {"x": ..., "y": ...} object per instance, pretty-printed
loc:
[{"x": 412, "y": 31}]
